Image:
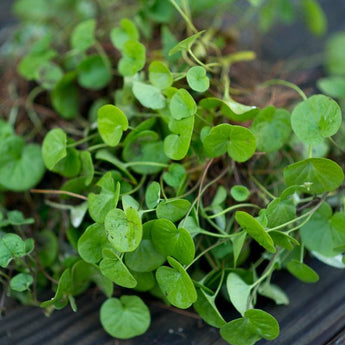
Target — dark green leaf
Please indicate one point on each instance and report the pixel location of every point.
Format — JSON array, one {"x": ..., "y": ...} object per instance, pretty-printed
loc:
[{"x": 302, "y": 271}]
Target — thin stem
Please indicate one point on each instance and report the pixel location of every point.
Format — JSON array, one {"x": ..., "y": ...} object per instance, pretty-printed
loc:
[
  {"x": 231, "y": 208},
  {"x": 262, "y": 187},
  {"x": 287, "y": 84},
  {"x": 96, "y": 147},
  {"x": 184, "y": 16},
  {"x": 64, "y": 192},
  {"x": 82, "y": 141},
  {"x": 152, "y": 164},
  {"x": 198, "y": 61}
]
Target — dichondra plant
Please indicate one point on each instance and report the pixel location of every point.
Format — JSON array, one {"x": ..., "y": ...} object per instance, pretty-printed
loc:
[{"x": 183, "y": 191}]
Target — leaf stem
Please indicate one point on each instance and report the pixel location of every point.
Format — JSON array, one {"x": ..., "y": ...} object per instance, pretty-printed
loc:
[
  {"x": 231, "y": 208},
  {"x": 285, "y": 83},
  {"x": 82, "y": 141},
  {"x": 184, "y": 16},
  {"x": 53, "y": 191},
  {"x": 262, "y": 187}
]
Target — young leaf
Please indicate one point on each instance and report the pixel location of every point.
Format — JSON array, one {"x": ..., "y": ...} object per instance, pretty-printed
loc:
[
  {"x": 92, "y": 242},
  {"x": 316, "y": 118},
  {"x": 21, "y": 282},
  {"x": 120, "y": 35},
  {"x": 83, "y": 35},
  {"x": 186, "y": 43},
  {"x": 314, "y": 17},
  {"x": 159, "y": 75},
  {"x": 113, "y": 268},
  {"x": 175, "y": 175},
  {"x": 302, "y": 271},
  {"x": 125, "y": 317},
  {"x": 176, "y": 285},
  {"x": 239, "y": 292},
  {"x": 152, "y": 194},
  {"x": 176, "y": 145},
  {"x": 274, "y": 292},
  {"x": 322, "y": 174},
  {"x": 11, "y": 246},
  {"x": 271, "y": 128},
  {"x": 123, "y": 229},
  {"x": 93, "y": 72},
  {"x": 133, "y": 58},
  {"x": 54, "y": 147},
  {"x": 182, "y": 105},
  {"x": 239, "y": 193},
  {"x": 111, "y": 124},
  {"x": 173, "y": 210},
  {"x": 255, "y": 230},
  {"x": 149, "y": 96},
  {"x": 239, "y": 142},
  {"x": 197, "y": 79}
]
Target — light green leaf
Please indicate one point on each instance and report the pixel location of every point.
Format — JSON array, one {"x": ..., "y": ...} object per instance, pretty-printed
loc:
[
  {"x": 120, "y": 35},
  {"x": 335, "y": 54},
  {"x": 83, "y": 35},
  {"x": 173, "y": 210},
  {"x": 54, "y": 147},
  {"x": 321, "y": 174},
  {"x": 123, "y": 229},
  {"x": 186, "y": 43},
  {"x": 21, "y": 282},
  {"x": 149, "y": 96},
  {"x": 125, "y": 317},
  {"x": 113, "y": 268},
  {"x": 152, "y": 194},
  {"x": 111, "y": 124},
  {"x": 314, "y": 17},
  {"x": 94, "y": 72},
  {"x": 11, "y": 246},
  {"x": 302, "y": 271},
  {"x": 274, "y": 292},
  {"x": 197, "y": 79},
  {"x": 182, "y": 105},
  {"x": 239, "y": 193},
  {"x": 159, "y": 75},
  {"x": 333, "y": 86},
  {"x": 175, "y": 175},
  {"x": 316, "y": 118},
  {"x": 133, "y": 58},
  {"x": 255, "y": 230},
  {"x": 176, "y": 285}
]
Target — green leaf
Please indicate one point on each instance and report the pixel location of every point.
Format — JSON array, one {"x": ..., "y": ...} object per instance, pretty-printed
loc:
[
  {"x": 239, "y": 193},
  {"x": 145, "y": 280},
  {"x": 159, "y": 75},
  {"x": 197, "y": 79},
  {"x": 333, "y": 86},
  {"x": 111, "y": 124},
  {"x": 271, "y": 128},
  {"x": 237, "y": 141},
  {"x": 125, "y": 317},
  {"x": 113, "y": 268},
  {"x": 133, "y": 58},
  {"x": 83, "y": 35},
  {"x": 302, "y": 271},
  {"x": 335, "y": 54},
  {"x": 152, "y": 195},
  {"x": 239, "y": 292},
  {"x": 70, "y": 165},
  {"x": 92, "y": 242},
  {"x": 283, "y": 240},
  {"x": 65, "y": 97},
  {"x": 149, "y": 96},
  {"x": 316, "y": 118},
  {"x": 100, "y": 204},
  {"x": 176, "y": 285},
  {"x": 280, "y": 211},
  {"x": 186, "y": 44},
  {"x": 237, "y": 244},
  {"x": 182, "y": 105},
  {"x": 123, "y": 229},
  {"x": 173, "y": 210},
  {"x": 49, "y": 74},
  {"x": 94, "y": 72},
  {"x": 255, "y": 230},
  {"x": 21, "y": 282},
  {"x": 175, "y": 176},
  {"x": 255, "y": 324},
  {"x": 11, "y": 246},
  {"x": 120, "y": 35},
  {"x": 314, "y": 17},
  {"x": 274, "y": 292},
  {"x": 320, "y": 174},
  {"x": 54, "y": 147},
  {"x": 176, "y": 145},
  {"x": 324, "y": 231},
  {"x": 14, "y": 172}
]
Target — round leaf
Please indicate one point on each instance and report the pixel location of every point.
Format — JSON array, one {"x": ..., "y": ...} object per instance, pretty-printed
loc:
[
  {"x": 182, "y": 105},
  {"x": 125, "y": 317},
  {"x": 54, "y": 147},
  {"x": 321, "y": 174},
  {"x": 124, "y": 230},
  {"x": 149, "y": 96},
  {"x": 333, "y": 86},
  {"x": 159, "y": 75},
  {"x": 239, "y": 332},
  {"x": 21, "y": 282},
  {"x": 93, "y": 72},
  {"x": 316, "y": 118},
  {"x": 239, "y": 193},
  {"x": 176, "y": 285},
  {"x": 111, "y": 124},
  {"x": 133, "y": 59},
  {"x": 197, "y": 79}
]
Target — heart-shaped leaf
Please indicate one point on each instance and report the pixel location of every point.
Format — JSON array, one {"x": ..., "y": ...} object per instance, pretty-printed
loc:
[
  {"x": 159, "y": 75},
  {"x": 54, "y": 147},
  {"x": 182, "y": 105},
  {"x": 11, "y": 246},
  {"x": 120, "y": 35},
  {"x": 197, "y": 79},
  {"x": 133, "y": 58},
  {"x": 173, "y": 210}
]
